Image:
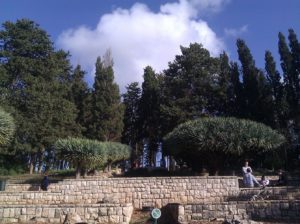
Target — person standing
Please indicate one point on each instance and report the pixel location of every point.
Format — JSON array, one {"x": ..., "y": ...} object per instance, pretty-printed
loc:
[
  {"x": 250, "y": 180},
  {"x": 244, "y": 170}
]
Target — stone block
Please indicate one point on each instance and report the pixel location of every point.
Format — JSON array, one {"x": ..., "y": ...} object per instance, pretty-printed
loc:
[
  {"x": 114, "y": 219},
  {"x": 196, "y": 217},
  {"x": 23, "y": 211},
  {"x": 103, "y": 219},
  {"x": 23, "y": 218},
  {"x": 51, "y": 213},
  {"x": 6, "y": 212},
  {"x": 30, "y": 211}
]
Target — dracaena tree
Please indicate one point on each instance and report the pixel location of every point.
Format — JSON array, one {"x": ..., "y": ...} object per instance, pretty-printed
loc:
[
  {"x": 210, "y": 140},
  {"x": 82, "y": 153},
  {"x": 87, "y": 154},
  {"x": 116, "y": 152}
]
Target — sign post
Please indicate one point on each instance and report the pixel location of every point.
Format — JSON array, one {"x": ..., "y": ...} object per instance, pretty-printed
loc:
[{"x": 156, "y": 213}]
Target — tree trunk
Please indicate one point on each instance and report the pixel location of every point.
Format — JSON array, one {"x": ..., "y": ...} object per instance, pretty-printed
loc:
[
  {"x": 31, "y": 167},
  {"x": 31, "y": 164},
  {"x": 85, "y": 173},
  {"x": 78, "y": 171},
  {"x": 41, "y": 157},
  {"x": 172, "y": 163}
]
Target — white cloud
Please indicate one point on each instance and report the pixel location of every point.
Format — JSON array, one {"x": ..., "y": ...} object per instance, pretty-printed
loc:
[
  {"x": 236, "y": 32},
  {"x": 139, "y": 37}
]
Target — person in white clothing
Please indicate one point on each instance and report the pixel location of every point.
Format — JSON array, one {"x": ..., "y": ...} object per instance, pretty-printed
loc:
[
  {"x": 244, "y": 170},
  {"x": 250, "y": 180}
]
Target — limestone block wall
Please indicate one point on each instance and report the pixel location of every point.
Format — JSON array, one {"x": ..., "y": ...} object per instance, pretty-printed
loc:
[
  {"x": 93, "y": 213},
  {"x": 146, "y": 191},
  {"x": 270, "y": 193},
  {"x": 257, "y": 210},
  {"x": 16, "y": 187}
]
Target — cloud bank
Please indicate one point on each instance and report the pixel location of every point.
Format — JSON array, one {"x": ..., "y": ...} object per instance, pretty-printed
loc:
[
  {"x": 231, "y": 32},
  {"x": 139, "y": 37}
]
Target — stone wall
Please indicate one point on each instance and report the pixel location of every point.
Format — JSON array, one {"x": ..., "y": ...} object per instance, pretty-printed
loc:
[
  {"x": 92, "y": 213},
  {"x": 257, "y": 210},
  {"x": 270, "y": 193},
  {"x": 146, "y": 191}
]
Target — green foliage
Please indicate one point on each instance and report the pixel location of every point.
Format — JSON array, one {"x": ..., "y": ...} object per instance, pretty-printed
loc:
[
  {"x": 131, "y": 134},
  {"x": 149, "y": 113},
  {"x": 131, "y": 117},
  {"x": 80, "y": 97},
  {"x": 106, "y": 123},
  {"x": 228, "y": 135},
  {"x": 90, "y": 154},
  {"x": 190, "y": 87},
  {"x": 117, "y": 152},
  {"x": 37, "y": 88},
  {"x": 279, "y": 104},
  {"x": 210, "y": 142},
  {"x": 7, "y": 127},
  {"x": 256, "y": 93},
  {"x": 84, "y": 153},
  {"x": 11, "y": 165}
]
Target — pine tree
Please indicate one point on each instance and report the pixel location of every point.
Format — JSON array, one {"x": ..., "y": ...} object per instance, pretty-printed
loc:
[
  {"x": 131, "y": 131},
  {"x": 106, "y": 122},
  {"x": 79, "y": 95},
  {"x": 190, "y": 87},
  {"x": 38, "y": 88}
]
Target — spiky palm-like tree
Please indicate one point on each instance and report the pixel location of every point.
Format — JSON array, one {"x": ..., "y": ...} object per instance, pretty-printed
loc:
[
  {"x": 217, "y": 137},
  {"x": 89, "y": 154}
]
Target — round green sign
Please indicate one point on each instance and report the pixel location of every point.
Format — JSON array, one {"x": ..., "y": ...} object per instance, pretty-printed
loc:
[{"x": 156, "y": 213}]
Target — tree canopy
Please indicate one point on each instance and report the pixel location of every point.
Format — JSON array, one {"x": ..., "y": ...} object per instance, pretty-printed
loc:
[
  {"x": 7, "y": 127},
  {"x": 86, "y": 154},
  {"x": 221, "y": 136}
]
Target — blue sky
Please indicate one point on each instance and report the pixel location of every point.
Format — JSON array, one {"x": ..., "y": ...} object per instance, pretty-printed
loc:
[{"x": 141, "y": 33}]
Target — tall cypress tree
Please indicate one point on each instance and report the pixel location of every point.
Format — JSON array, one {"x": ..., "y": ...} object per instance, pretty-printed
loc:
[
  {"x": 295, "y": 52},
  {"x": 225, "y": 86},
  {"x": 295, "y": 68},
  {"x": 106, "y": 122},
  {"x": 250, "y": 79},
  {"x": 79, "y": 95},
  {"x": 278, "y": 93},
  {"x": 255, "y": 90},
  {"x": 131, "y": 133},
  {"x": 236, "y": 101},
  {"x": 291, "y": 81},
  {"x": 149, "y": 113}
]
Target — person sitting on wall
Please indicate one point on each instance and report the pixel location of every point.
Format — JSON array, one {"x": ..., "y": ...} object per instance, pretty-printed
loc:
[
  {"x": 250, "y": 180},
  {"x": 264, "y": 181},
  {"x": 45, "y": 182},
  {"x": 281, "y": 179}
]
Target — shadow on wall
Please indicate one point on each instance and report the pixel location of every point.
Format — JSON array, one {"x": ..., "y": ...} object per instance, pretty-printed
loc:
[{"x": 169, "y": 214}]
